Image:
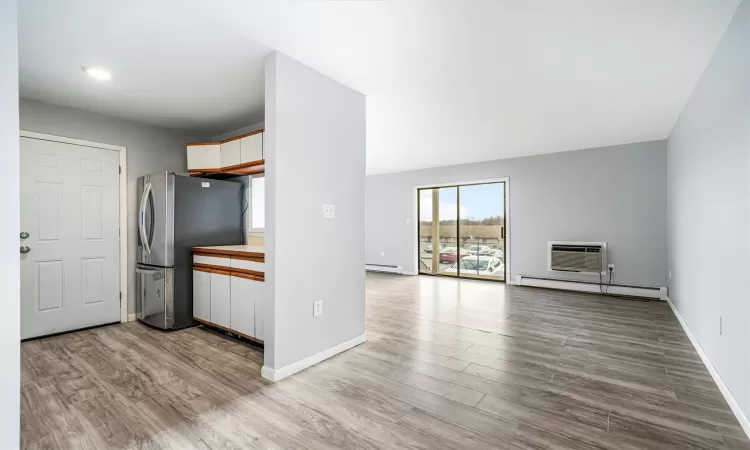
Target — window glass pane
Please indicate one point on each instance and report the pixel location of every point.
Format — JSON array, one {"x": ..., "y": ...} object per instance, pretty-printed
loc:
[
  {"x": 482, "y": 227},
  {"x": 258, "y": 201},
  {"x": 450, "y": 253}
]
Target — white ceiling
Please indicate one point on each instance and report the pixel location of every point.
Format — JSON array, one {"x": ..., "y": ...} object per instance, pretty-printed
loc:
[{"x": 447, "y": 81}]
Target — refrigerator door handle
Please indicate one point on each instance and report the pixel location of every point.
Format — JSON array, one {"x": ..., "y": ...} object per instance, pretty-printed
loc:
[
  {"x": 142, "y": 218},
  {"x": 145, "y": 271}
]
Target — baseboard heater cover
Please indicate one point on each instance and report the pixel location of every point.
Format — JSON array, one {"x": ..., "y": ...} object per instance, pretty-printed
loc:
[
  {"x": 383, "y": 268},
  {"x": 659, "y": 293}
]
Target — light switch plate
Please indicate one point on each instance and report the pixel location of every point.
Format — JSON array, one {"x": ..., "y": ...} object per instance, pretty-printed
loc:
[
  {"x": 317, "y": 308},
  {"x": 329, "y": 211}
]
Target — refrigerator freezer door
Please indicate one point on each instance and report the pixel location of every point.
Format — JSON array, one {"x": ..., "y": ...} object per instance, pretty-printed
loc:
[
  {"x": 154, "y": 303},
  {"x": 156, "y": 219}
]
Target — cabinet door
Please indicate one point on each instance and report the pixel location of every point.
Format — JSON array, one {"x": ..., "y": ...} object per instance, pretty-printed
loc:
[
  {"x": 243, "y": 306},
  {"x": 202, "y": 295},
  {"x": 220, "y": 299},
  {"x": 252, "y": 147},
  {"x": 230, "y": 153},
  {"x": 260, "y": 304},
  {"x": 204, "y": 156}
]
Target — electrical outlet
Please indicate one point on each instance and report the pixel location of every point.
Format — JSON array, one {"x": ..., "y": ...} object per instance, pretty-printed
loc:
[
  {"x": 408, "y": 220},
  {"x": 382, "y": 253},
  {"x": 317, "y": 308},
  {"x": 720, "y": 322},
  {"x": 329, "y": 211},
  {"x": 611, "y": 268}
]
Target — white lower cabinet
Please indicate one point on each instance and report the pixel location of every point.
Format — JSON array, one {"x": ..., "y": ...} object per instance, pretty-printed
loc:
[
  {"x": 232, "y": 302},
  {"x": 221, "y": 300},
  {"x": 202, "y": 295},
  {"x": 243, "y": 306},
  {"x": 260, "y": 301}
]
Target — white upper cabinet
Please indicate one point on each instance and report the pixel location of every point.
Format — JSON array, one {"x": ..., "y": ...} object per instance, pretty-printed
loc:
[
  {"x": 204, "y": 156},
  {"x": 230, "y": 153},
  {"x": 252, "y": 147}
]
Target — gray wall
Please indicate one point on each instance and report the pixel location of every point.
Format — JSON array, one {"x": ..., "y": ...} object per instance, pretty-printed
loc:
[
  {"x": 239, "y": 131},
  {"x": 707, "y": 165},
  {"x": 10, "y": 279},
  {"x": 315, "y": 155},
  {"x": 613, "y": 194},
  {"x": 149, "y": 150}
]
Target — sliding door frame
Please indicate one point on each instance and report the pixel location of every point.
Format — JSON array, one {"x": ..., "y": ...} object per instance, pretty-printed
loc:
[{"x": 457, "y": 184}]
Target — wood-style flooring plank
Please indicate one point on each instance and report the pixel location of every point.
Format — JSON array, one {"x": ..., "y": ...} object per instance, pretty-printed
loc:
[{"x": 449, "y": 364}]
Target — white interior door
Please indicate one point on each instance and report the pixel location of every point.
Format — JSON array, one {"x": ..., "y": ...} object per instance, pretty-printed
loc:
[{"x": 70, "y": 210}]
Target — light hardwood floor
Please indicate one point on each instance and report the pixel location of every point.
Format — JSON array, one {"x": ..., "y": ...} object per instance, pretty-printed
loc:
[{"x": 448, "y": 364}]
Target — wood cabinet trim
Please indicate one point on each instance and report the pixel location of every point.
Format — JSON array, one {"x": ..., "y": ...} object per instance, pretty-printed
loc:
[
  {"x": 245, "y": 165},
  {"x": 241, "y": 136},
  {"x": 248, "y": 168},
  {"x": 249, "y": 276},
  {"x": 218, "y": 270},
  {"x": 236, "y": 254},
  {"x": 201, "y": 269},
  {"x": 231, "y": 271},
  {"x": 199, "y": 171},
  {"x": 228, "y": 139}
]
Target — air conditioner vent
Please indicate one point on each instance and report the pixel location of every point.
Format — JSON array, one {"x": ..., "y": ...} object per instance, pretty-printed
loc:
[{"x": 577, "y": 257}]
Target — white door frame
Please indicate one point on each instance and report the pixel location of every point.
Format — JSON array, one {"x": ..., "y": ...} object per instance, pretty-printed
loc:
[
  {"x": 415, "y": 233},
  {"x": 123, "y": 206}
]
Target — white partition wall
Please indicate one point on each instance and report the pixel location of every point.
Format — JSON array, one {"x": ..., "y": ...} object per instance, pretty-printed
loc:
[
  {"x": 709, "y": 215},
  {"x": 315, "y": 156},
  {"x": 9, "y": 229}
]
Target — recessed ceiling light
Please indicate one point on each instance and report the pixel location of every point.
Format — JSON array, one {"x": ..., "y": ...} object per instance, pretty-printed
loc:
[{"x": 98, "y": 73}]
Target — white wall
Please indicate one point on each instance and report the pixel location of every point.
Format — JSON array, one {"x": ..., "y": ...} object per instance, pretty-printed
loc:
[
  {"x": 10, "y": 332},
  {"x": 315, "y": 155},
  {"x": 708, "y": 204},
  {"x": 613, "y": 194},
  {"x": 150, "y": 150}
]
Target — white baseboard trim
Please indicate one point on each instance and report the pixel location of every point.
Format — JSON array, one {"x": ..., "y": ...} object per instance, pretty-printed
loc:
[
  {"x": 279, "y": 374},
  {"x": 383, "y": 268},
  {"x": 594, "y": 288},
  {"x": 132, "y": 317},
  {"x": 735, "y": 407}
]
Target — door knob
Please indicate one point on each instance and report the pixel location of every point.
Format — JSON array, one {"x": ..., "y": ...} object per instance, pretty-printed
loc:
[
  {"x": 24, "y": 235},
  {"x": 25, "y": 249}
]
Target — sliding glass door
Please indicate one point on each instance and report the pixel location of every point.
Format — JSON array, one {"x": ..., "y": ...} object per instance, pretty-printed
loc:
[{"x": 461, "y": 231}]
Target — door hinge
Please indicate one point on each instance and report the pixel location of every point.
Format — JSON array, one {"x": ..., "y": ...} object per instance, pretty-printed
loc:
[
  {"x": 120, "y": 295},
  {"x": 119, "y": 169}
]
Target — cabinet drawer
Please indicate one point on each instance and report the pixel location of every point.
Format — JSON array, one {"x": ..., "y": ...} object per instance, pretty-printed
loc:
[
  {"x": 221, "y": 299},
  {"x": 247, "y": 265},
  {"x": 230, "y": 153},
  {"x": 213, "y": 260},
  {"x": 204, "y": 156}
]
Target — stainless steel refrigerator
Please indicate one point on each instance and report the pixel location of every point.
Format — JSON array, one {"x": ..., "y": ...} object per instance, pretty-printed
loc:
[{"x": 175, "y": 214}]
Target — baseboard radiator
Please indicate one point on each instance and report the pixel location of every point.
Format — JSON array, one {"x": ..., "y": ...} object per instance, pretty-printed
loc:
[
  {"x": 659, "y": 293},
  {"x": 383, "y": 268}
]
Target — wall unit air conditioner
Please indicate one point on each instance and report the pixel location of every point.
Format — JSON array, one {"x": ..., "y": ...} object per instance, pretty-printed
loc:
[{"x": 580, "y": 257}]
